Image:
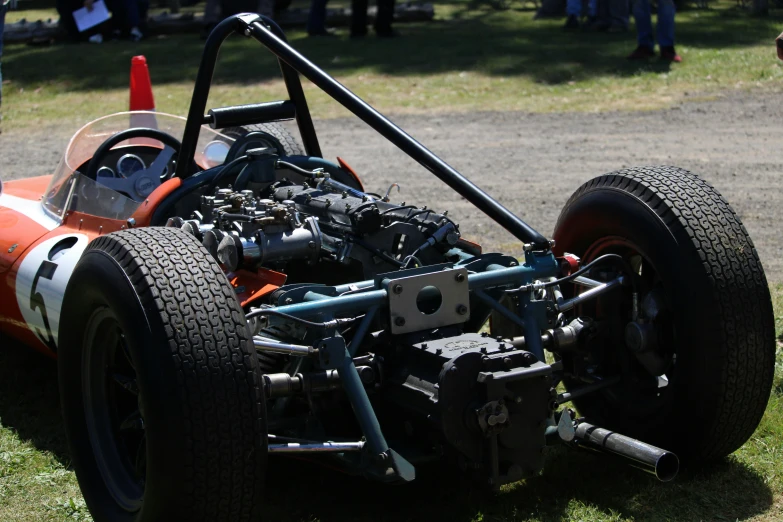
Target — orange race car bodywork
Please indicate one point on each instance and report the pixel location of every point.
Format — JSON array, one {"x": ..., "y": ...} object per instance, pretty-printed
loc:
[
  {"x": 38, "y": 253},
  {"x": 41, "y": 241}
]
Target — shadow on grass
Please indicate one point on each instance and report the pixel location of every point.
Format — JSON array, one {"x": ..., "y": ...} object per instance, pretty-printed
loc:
[
  {"x": 29, "y": 398},
  {"x": 472, "y": 38},
  {"x": 582, "y": 484}
]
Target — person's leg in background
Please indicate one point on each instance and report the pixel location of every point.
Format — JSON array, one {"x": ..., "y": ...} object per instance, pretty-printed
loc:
[
  {"x": 384, "y": 19},
  {"x": 65, "y": 9},
  {"x": 211, "y": 17},
  {"x": 644, "y": 34},
  {"x": 316, "y": 20},
  {"x": 597, "y": 15},
  {"x": 573, "y": 14},
  {"x": 358, "y": 18},
  {"x": 665, "y": 30},
  {"x": 618, "y": 15}
]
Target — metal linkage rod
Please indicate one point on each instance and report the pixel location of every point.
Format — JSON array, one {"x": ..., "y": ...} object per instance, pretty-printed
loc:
[
  {"x": 590, "y": 294},
  {"x": 288, "y": 349},
  {"x": 316, "y": 447}
]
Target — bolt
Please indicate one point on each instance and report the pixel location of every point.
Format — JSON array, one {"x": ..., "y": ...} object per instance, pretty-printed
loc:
[
  {"x": 462, "y": 309},
  {"x": 438, "y": 351},
  {"x": 311, "y": 244},
  {"x": 459, "y": 277},
  {"x": 507, "y": 362},
  {"x": 484, "y": 334},
  {"x": 347, "y": 207},
  {"x": 483, "y": 350},
  {"x": 502, "y": 347},
  {"x": 399, "y": 321},
  {"x": 345, "y": 194},
  {"x": 288, "y": 300},
  {"x": 423, "y": 346},
  {"x": 397, "y": 289}
]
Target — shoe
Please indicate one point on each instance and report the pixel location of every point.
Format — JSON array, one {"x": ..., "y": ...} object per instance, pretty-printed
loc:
[
  {"x": 594, "y": 24},
  {"x": 322, "y": 32},
  {"x": 617, "y": 28},
  {"x": 96, "y": 38},
  {"x": 642, "y": 53},
  {"x": 135, "y": 34},
  {"x": 572, "y": 23},
  {"x": 387, "y": 33},
  {"x": 670, "y": 55}
]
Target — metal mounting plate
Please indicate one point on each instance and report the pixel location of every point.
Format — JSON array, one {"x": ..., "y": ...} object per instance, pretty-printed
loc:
[{"x": 404, "y": 313}]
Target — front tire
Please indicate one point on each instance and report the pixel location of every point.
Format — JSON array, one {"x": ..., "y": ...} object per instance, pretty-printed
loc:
[
  {"x": 712, "y": 304},
  {"x": 160, "y": 386}
]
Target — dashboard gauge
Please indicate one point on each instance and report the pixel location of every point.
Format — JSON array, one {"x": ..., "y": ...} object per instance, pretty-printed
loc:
[
  {"x": 129, "y": 164},
  {"x": 106, "y": 172}
]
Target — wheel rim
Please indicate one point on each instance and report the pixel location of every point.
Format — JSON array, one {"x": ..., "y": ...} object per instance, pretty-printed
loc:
[
  {"x": 112, "y": 404},
  {"x": 639, "y": 394}
]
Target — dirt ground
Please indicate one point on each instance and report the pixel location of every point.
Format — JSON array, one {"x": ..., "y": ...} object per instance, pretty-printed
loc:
[{"x": 533, "y": 162}]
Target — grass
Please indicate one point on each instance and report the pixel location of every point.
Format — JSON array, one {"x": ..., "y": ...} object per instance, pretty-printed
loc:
[
  {"x": 471, "y": 58},
  {"x": 36, "y": 484}
]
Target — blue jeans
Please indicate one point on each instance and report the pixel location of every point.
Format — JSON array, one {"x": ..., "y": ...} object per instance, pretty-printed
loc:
[
  {"x": 574, "y": 8},
  {"x": 665, "y": 27}
]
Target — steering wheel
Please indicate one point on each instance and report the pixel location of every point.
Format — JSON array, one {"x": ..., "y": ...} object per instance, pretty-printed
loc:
[{"x": 141, "y": 184}]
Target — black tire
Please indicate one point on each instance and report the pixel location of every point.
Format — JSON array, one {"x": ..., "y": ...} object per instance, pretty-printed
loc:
[
  {"x": 717, "y": 307},
  {"x": 154, "y": 324},
  {"x": 276, "y": 135}
]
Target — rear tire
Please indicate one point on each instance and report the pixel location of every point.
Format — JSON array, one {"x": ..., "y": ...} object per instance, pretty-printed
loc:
[
  {"x": 159, "y": 382},
  {"x": 693, "y": 247},
  {"x": 266, "y": 135}
]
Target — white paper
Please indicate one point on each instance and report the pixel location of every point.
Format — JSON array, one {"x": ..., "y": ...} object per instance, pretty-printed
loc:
[{"x": 85, "y": 19}]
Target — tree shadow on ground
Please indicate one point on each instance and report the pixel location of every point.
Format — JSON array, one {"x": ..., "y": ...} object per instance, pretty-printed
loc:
[
  {"x": 296, "y": 490},
  {"x": 480, "y": 39}
]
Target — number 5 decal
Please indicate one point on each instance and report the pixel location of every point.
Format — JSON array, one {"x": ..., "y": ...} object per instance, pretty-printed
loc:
[
  {"x": 46, "y": 271},
  {"x": 41, "y": 281}
]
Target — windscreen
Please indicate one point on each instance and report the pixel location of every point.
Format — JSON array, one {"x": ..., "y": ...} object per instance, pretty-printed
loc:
[{"x": 71, "y": 191}]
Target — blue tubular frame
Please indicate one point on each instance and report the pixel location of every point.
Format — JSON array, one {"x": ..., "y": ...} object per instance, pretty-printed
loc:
[
  {"x": 268, "y": 33},
  {"x": 542, "y": 265},
  {"x": 371, "y": 299}
]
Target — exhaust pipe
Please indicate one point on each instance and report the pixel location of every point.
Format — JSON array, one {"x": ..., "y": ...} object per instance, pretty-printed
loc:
[{"x": 661, "y": 463}]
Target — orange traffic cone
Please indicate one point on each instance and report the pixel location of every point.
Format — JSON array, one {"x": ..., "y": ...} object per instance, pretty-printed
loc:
[{"x": 141, "y": 98}]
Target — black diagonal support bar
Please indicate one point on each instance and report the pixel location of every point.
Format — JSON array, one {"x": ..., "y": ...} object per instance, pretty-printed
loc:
[{"x": 292, "y": 64}]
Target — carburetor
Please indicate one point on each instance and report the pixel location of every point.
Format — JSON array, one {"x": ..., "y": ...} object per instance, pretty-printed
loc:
[{"x": 245, "y": 232}]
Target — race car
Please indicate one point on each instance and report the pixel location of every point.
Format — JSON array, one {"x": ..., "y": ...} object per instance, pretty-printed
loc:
[{"x": 216, "y": 292}]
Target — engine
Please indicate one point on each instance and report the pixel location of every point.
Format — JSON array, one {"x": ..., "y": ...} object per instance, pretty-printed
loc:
[{"x": 319, "y": 220}]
